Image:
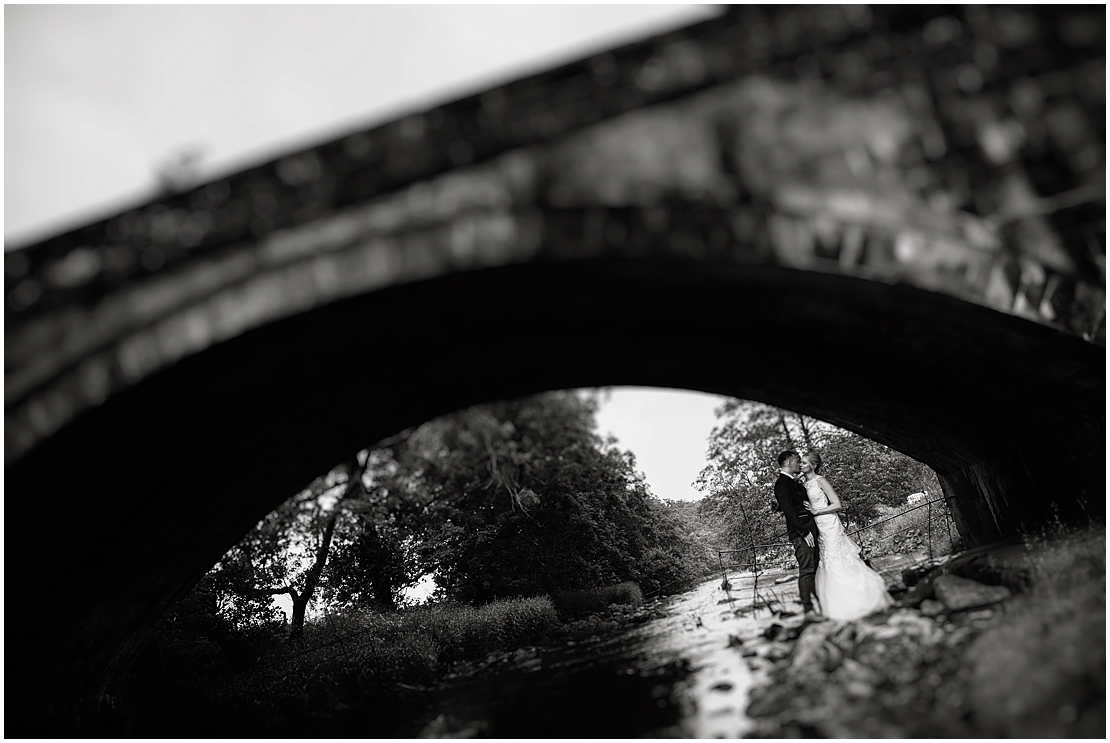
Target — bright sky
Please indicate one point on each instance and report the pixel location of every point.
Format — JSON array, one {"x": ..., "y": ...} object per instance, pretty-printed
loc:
[
  {"x": 667, "y": 430},
  {"x": 98, "y": 97}
]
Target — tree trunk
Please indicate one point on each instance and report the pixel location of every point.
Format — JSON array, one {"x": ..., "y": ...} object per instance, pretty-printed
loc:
[
  {"x": 805, "y": 431},
  {"x": 785, "y": 430},
  {"x": 312, "y": 577}
]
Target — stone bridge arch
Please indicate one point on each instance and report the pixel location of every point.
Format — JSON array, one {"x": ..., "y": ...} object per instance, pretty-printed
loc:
[{"x": 847, "y": 212}]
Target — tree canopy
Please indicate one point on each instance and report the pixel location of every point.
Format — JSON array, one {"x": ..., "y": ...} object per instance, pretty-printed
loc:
[
  {"x": 513, "y": 498},
  {"x": 522, "y": 497}
]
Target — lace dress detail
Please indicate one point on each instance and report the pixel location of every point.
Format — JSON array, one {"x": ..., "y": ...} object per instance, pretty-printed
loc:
[{"x": 846, "y": 588}]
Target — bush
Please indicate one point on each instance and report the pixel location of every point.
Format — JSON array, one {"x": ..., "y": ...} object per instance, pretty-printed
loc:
[
  {"x": 466, "y": 632},
  {"x": 572, "y": 604},
  {"x": 409, "y": 646},
  {"x": 910, "y": 528}
]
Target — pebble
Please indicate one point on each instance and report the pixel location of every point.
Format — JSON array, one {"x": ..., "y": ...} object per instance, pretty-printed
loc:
[
  {"x": 931, "y": 608},
  {"x": 957, "y": 636},
  {"x": 859, "y": 689},
  {"x": 853, "y": 670},
  {"x": 777, "y": 652},
  {"x": 773, "y": 632}
]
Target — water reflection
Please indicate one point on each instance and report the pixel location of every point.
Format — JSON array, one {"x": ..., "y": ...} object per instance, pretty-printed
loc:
[{"x": 675, "y": 675}]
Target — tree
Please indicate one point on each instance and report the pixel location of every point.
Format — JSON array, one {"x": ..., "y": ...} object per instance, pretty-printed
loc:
[
  {"x": 272, "y": 558},
  {"x": 521, "y": 497},
  {"x": 373, "y": 560},
  {"x": 513, "y": 498},
  {"x": 288, "y": 551}
]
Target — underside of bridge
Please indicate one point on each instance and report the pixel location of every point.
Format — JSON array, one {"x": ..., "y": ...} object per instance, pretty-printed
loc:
[{"x": 699, "y": 211}]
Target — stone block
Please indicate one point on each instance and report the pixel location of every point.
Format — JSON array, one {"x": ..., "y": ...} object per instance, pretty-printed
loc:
[
  {"x": 1008, "y": 566},
  {"x": 961, "y": 593}
]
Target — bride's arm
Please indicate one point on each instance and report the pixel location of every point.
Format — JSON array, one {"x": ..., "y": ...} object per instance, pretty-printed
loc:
[{"x": 834, "y": 499}]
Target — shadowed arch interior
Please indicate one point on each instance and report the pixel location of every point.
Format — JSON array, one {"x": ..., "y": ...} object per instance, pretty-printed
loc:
[{"x": 159, "y": 481}]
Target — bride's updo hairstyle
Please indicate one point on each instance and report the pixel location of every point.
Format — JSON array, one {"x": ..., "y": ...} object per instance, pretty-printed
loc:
[{"x": 814, "y": 459}]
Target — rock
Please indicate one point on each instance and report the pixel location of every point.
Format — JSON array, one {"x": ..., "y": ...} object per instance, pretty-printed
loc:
[
  {"x": 852, "y": 670},
  {"x": 1008, "y": 566},
  {"x": 912, "y": 576},
  {"x": 772, "y": 632},
  {"x": 931, "y": 608},
  {"x": 923, "y": 590},
  {"x": 957, "y": 636},
  {"x": 859, "y": 689},
  {"x": 912, "y": 620},
  {"x": 448, "y": 726},
  {"x": 734, "y": 641},
  {"x": 777, "y": 652},
  {"x": 792, "y": 633},
  {"x": 810, "y": 643},
  {"x": 961, "y": 593},
  {"x": 879, "y": 631},
  {"x": 831, "y": 656}
]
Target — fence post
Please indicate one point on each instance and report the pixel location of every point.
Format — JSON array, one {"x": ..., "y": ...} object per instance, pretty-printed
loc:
[
  {"x": 755, "y": 581},
  {"x": 948, "y": 524},
  {"x": 929, "y": 528},
  {"x": 724, "y": 577}
]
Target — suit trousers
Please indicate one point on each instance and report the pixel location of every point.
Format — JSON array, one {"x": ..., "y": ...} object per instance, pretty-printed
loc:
[{"x": 808, "y": 558}]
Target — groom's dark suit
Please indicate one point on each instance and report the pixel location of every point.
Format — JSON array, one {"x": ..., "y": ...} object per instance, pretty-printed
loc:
[{"x": 799, "y": 522}]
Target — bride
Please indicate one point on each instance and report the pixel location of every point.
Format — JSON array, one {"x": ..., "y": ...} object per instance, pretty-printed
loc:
[{"x": 845, "y": 586}]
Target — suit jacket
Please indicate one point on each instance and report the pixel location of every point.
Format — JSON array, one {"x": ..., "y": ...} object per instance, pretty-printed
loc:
[{"x": 791, "y": 496}]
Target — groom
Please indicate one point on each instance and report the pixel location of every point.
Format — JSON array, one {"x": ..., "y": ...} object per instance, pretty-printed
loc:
[{"x": 800, "y": 527}]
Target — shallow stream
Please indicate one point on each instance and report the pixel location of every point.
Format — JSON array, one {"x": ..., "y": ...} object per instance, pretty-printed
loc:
[{"x": 675, "y": 675}]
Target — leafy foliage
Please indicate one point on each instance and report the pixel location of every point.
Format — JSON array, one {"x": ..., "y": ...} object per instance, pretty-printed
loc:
[
  {"x": 574, "y": 604},
  {"x": 521, "y": 497},
  {"x": 515, "y": 498}
]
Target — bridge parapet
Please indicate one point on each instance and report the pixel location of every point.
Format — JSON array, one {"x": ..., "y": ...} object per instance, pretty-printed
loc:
[{"x": 958, "y": 153}]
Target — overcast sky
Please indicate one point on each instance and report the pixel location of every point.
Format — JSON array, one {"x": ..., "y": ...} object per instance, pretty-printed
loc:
[
  {"x": 667, "y": 430},
  {"x": 97, "y": 97}
]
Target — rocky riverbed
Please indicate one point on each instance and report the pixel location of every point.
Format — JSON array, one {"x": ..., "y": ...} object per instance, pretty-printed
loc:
[{"x": 1006, "y": 641}]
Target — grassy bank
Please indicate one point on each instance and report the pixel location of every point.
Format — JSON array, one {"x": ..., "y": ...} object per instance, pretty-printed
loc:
[
  {"x": 357, "y": 671},
  {"x": 1041, "y": 671},
  {"x": 576, "y": 604}
]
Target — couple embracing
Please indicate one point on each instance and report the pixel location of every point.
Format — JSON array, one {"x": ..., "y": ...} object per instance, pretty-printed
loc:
[{"x": 828, "y": 560}]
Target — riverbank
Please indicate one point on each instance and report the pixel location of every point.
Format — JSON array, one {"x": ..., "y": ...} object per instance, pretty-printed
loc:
[
  {"x": 1006, "y": 642},
  {"x": 1003, "y": 642},
  {"x": 436, "y": 671}
]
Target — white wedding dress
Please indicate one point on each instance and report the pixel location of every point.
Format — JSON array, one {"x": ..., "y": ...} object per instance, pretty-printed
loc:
[{"x": 846, "y": 587}]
